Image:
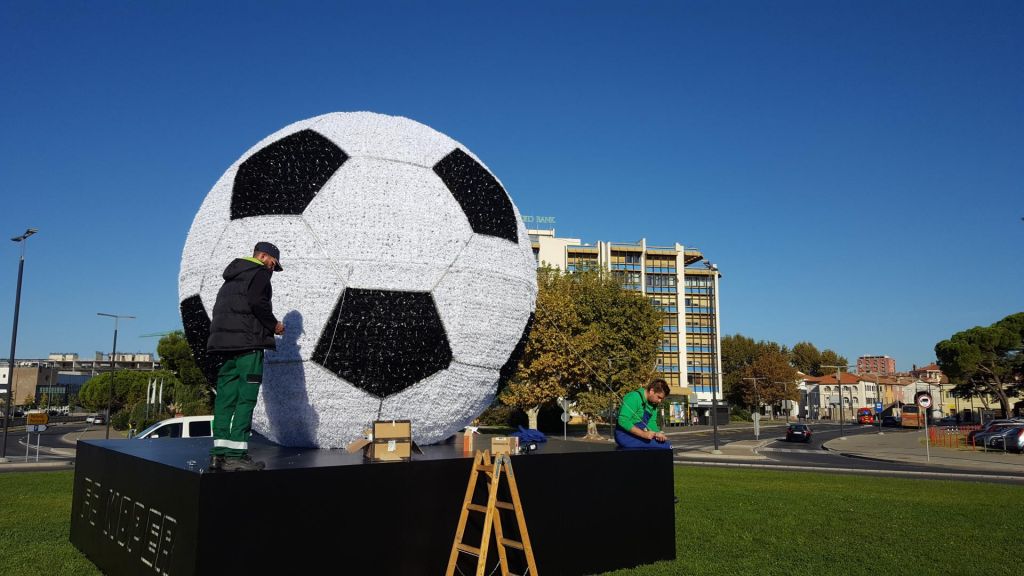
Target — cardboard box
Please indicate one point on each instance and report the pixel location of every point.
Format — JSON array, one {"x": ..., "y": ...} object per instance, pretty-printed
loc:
[
  {"x": 389, "y": 429},
  {"x": 504, "y": 445},
  {"x": 392, "y": 441}
]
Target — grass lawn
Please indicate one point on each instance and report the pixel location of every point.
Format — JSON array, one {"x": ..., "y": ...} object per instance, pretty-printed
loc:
[{"x": 729, "y": 521}]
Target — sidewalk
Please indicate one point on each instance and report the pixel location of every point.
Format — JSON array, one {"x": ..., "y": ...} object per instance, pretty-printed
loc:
[
  {"x": 909, "y": 447},
  {"x": 904, "y": 446}
]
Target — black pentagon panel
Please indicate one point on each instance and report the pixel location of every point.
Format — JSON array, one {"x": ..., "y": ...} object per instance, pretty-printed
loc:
[
  {"x": 508, "y": 370},
  {"x": 285, "y": 176},
  {"x": 482, "y": 198},
  {"x": 197, "y": 331},
  {"x": 383, "y": 341}
]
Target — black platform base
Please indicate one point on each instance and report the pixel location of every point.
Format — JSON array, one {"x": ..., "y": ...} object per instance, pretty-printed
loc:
[{"x": 147, "y": 507}]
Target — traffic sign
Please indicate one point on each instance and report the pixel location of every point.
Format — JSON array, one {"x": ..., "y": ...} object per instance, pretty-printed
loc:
[
  {"x": 37, "y": 418},
  {"x": 565, "y": 416},
  {"x": 36, "y": 427},
  {"x": 878, "y": 407},
  {"x": 924, "y": 401}
]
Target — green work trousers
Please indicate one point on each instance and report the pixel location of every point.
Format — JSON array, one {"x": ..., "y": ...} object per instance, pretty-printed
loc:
[{"x": 238, "y": 388}]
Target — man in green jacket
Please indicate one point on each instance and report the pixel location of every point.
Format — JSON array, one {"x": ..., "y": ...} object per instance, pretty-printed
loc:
[{"x": 637, "y": 427}]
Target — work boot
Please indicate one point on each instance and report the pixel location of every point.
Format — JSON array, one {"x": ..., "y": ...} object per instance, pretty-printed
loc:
[
  {"x": 216, "y": 463},
  {"x": 242, "y": 464}
]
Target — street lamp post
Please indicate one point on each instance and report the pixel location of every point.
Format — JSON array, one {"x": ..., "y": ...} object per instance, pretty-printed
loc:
[
  {"x": 716, "y": 376},
  {"x": 14, "y": 337},
  {"x": 839, "y": 384},
  {"x": 113, "y": 360}
]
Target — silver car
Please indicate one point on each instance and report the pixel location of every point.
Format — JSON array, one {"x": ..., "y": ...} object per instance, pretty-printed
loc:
[{"x": 1010, "y": 439}]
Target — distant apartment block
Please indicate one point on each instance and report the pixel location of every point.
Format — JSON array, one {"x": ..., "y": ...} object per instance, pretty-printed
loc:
[
  {"x": 881, "y": 365},
  {"x": 686, "y": 295}
]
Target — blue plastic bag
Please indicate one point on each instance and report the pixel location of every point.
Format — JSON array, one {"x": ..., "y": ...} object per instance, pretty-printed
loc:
[{"x": 529, "y": 435}]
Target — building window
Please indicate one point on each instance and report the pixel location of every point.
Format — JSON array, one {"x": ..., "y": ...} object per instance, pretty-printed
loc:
[{"x": 660, "y": 264}]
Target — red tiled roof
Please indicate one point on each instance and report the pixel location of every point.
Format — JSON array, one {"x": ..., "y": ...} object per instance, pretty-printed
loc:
[{"x": 844, "y": 378}]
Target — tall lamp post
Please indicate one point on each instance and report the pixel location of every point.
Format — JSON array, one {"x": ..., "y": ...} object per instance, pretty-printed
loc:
[
  {"x": 839, "y": 384},
  {"x": 14, "y": 336},
  {"x": 716, "y": 376},
  {"x": 113, "y": 361}
]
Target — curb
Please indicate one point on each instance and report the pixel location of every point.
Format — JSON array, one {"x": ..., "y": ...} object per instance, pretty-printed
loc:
[{"x": 753, "y": 455}]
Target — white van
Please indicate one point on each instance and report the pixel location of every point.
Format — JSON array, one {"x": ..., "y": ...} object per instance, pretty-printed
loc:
[{"x": 182, "y": 427}]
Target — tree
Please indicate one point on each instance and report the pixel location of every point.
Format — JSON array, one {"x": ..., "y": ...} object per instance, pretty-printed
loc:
[
  {"x": 738, "y": 352},
  {"x": 191, "y": 393},
  {"x": 591, "y": 340},
  {"x": 831, "y": 358},
  {"x": 545, "y": 366},
  {"x": 623, "y": 330},
  {"x": 129, "y": 390},
  {"x": 806, "y": 358},
  {"x": 986, "y": 359},
  {"x": 774, "y": 378},
  {"x": 743, "y": 358}
]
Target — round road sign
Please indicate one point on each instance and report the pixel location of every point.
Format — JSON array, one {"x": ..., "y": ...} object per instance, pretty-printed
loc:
[{"x": 924, "y": 401}]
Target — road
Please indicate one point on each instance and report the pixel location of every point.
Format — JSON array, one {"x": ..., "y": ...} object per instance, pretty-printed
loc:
[
  {"x": 776, "y": 453},
  {"x": 50, "y": 442},
  {"x": 810, "y": 456}
]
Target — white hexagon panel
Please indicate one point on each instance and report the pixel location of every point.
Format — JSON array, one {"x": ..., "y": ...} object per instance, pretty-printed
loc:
[{"x": 409, "y": 283}]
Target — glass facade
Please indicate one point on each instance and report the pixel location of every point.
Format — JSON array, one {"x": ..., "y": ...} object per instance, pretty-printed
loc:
[{"x": 701, "y": 335}]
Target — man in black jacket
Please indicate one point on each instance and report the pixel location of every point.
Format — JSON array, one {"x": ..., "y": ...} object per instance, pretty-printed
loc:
[{"x": 242, "y": 328}]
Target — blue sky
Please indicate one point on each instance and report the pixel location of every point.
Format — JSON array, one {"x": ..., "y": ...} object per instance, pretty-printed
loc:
[{"x": 854, "y": 168}]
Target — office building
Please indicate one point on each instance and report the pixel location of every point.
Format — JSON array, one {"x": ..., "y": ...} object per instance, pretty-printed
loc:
[{"x": 684, "y": 291}]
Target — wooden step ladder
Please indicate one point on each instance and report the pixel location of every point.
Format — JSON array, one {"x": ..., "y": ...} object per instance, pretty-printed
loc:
[{"x": 482, "y": 464}]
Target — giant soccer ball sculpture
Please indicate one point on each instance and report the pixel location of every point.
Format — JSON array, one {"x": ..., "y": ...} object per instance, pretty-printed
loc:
[{"x": 409, "y": 282}]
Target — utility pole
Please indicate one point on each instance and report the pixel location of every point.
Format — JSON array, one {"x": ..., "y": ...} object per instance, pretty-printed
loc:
[
  {"x": 839, "y": 384},
  {"x": 785, "y": 393}
]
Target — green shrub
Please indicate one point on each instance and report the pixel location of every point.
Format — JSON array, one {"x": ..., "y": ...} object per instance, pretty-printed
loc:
[{"x": 737, "y": 414}]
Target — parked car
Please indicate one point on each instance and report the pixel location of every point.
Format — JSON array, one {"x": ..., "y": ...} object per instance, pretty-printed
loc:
[
  {"x": 982, "y": 437},
  {"x": 800, "y": 432},
  {"x": 890, "y": 421},
  {"x": 1015, "y": 441},
  {"x": 95, "y": 419},
  {"x": 180, "y": 427},
  {"x": 991, "y": 425},
  {"x": 1008, "y": 438}
]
